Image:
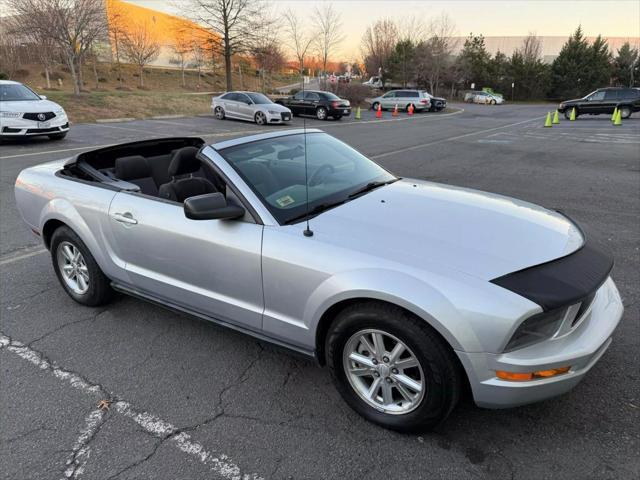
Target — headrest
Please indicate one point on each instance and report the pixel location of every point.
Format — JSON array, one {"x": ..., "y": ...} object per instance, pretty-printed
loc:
[
  {"x": 132, "y": 168},
  {"x": 184, "y": 161},
  {"x": 291, "y": 153}
]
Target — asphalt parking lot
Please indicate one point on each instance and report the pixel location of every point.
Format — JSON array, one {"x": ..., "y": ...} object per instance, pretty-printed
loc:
[{"x": 192, "y": 401}]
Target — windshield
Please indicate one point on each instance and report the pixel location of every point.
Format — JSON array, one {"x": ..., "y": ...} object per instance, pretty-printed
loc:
[
  {"x": 275, "y": 169},
  {"x": 259, "y": 98},
  {"x": 16, "y": 93}
]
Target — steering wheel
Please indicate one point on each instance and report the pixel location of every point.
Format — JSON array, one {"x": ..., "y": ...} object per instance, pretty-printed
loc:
[{"x": 320, "y": 174}]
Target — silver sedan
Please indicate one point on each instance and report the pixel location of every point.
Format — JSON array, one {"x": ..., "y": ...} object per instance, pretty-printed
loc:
[
  {"x": 407, "y": 290},
  {"x": 251, "y": 106}
]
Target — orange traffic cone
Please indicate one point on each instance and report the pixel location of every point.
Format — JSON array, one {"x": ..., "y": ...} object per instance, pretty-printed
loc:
[
  {"x": 410, "y": 109},
  {"x": 379, "y": 112},
  {"x": 395, "y": 111}
]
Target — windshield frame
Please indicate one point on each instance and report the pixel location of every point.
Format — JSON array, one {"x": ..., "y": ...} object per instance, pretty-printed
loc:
[
  {"x": 38, "y": 97},
  {"x": 332, "y": 200}
]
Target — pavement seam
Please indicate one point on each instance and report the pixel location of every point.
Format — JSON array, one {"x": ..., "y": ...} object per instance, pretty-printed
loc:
[{"x": 151, "y": 424}]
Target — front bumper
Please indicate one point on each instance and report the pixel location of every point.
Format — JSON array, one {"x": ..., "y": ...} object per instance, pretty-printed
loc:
[
  {"x": 20, "y": 127},
  {"x": 581, "y": 348},
  {"x": 345, "y": 111},
  {"x": 280, "y": 117}
]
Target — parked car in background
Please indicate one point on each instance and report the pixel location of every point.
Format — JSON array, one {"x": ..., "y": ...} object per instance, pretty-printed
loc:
[
  {"x": 318, "y": 103},
  {"x": 437, "y": 103},
  {"x": 251, "y": 106},
  {"x": 403, "y": 99},
  {"x": 604, "y": 100},
  {"x": 24, "y": 113},
  {"x": 374, "y": 82},
  {"x": 492, "y": 294},
  {"x": 487, "y": 98}
]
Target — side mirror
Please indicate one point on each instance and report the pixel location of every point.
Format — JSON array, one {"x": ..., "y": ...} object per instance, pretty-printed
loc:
[
  {"x": 211, "y": 206},
  {"x": 43, "y": 97}
]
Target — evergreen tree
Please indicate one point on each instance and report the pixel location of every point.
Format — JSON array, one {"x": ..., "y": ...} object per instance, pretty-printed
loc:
[
  {"x": 626, "y": 66},
  {"x": 474, "y": 62},
  {"x": 600, "y": 68},
  {"x": 402, "y": 63},
  {"x": 569, "y": 71},
  {"x": 527, "y": 70}
]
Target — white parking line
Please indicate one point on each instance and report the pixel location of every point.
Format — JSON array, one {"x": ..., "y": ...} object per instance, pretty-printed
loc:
[
  {"x": 14, "y": 257},
  {"x": 81, "y": 451},
  {"x": 451, "y": 139},
  {"x": 153, "y": 425}
]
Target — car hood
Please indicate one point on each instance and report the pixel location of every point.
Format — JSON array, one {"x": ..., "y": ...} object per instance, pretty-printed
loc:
[
  {"x": 30, "y": 106},
  {"x": 420, "y": 223},
  {"x": 275, "y": 107}
]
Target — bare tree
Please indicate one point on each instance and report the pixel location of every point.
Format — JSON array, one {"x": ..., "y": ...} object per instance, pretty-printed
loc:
[
  {"x": 531, "y": 49},
  {"x": 116, "y": 19},
  {"x": 182, "y": 44},
  {"x": 299, "y": 38},
  {"x": 73, "y": 25},
  {"x": 265, "y": 49},
  {"x": 140, "y": 48},
  {"x": 232, "y": 21},
  {"x": 329, "y": 32},
  {"x": 378, "y": 43},
  {"x": 436, "y": 53}
]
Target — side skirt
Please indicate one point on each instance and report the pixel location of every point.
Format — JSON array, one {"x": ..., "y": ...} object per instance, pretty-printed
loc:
[{"x": 307, "y": 354}]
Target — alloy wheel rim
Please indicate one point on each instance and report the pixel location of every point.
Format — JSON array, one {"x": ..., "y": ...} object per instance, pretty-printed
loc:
[
  {"x": 260, "y": 120},
  {"x": 321, "y": 113},
  {"x": 383, "y": 371},
  {"x": 219, "y": 112},
  {"x": 73, "y": 268}
]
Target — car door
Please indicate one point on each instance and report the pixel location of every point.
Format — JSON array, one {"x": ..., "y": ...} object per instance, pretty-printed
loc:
[
  {"x": 610, "y": 101},
  {"x": 212, "y": 267},
  {"x": 311, "y": 101},
  {"x": 388, "y": 100},
  {"x": 245, "y": 107},
  {"x": 230, "y": 105},
  {"x": 593, "y": 103},
  {"x": 297, "y": 103}
]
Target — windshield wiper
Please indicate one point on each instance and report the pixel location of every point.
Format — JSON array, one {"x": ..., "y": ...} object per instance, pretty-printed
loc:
[
  {"x": 371, "y": 186},
  {"x": 314, "y": 211}
]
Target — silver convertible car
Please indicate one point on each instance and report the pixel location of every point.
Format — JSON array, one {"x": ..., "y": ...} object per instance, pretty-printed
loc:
[{"x": 409, "y": 291}]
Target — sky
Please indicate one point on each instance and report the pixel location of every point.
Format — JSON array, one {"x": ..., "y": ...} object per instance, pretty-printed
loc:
[{"x": 612, "y": 18}]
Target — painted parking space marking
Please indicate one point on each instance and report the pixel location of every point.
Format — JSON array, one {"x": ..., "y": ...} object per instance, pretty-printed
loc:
[
  {"x": 219, "y": 464},
  {"x": 22, "y": 254}
]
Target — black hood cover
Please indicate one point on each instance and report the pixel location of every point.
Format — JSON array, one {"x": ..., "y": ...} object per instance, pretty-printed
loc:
[{"x": 561, "y": 282}]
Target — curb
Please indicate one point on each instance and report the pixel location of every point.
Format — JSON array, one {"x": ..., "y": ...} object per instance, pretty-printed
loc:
[
  {"x": 166, "y": 117},
  {"x": 114, "y": 120},
  {"x": 205, "y": 115}
]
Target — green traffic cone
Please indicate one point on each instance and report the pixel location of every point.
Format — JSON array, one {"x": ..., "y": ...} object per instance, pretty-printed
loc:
[
  {"x": 547, "y": 122},
  {"x": 618, "y": 120},
  {"x": 573, "y": 114},
  {"x": 615, "y": 114},
  {"x": 556, "y": 120},
  {"x": 358, "y": 116}
]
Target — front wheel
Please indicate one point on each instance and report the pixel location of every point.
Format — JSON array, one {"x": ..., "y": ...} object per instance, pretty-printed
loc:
[
  {"x": 219, "y": 113},
  {"x": 77, "y": 270},
  {"x": 321, "y": 113},
  {"x": 567, "y": 113},
  {"x": 492, "y": 102},
  {"x": 392, "y": 368},
  {"x": 260, "y": 118},
  {"x": 375, "y": 105}
]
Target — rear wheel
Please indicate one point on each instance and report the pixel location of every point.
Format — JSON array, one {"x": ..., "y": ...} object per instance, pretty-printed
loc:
[
  {"x": 58, "y": 136},
  {"x": 219, "y": 113},
  {"x": 77, "y": 270},
  {"x": 321, "y": 113},
  {"x": 260, "y": 118},
  {"x": 492, "y": 102},
  {"x": 375, "y": 105},
  {"x": 410, "y": 105},
  {"x": 625, "y": 112},
  {"x": 392, "y": 368}
]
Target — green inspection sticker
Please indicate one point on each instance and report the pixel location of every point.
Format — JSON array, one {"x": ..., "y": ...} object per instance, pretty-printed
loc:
[{"x": 284, "y": 201}]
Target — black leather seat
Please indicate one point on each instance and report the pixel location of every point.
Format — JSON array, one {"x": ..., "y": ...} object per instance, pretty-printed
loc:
[
  {"x": 185, "y": 162},
  {"x": 135, "y": 169}
]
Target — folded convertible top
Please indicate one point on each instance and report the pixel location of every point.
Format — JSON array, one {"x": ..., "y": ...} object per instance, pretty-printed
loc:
[{"x": 563, "y": 281}]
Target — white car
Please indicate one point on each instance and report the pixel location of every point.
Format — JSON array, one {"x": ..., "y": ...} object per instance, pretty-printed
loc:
[
  {"x": 251, "y": 106},
  {"x": 487, "y": 98},
  {"x": 25, "y": 113}
]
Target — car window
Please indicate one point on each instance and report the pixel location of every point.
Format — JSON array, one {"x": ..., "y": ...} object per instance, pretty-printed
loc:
[
  {"x": 259, "y": 98},
  {"x": 231, "y": 97},
  {"x": 390, "y": 95},
  {"x": 241, "y": 97},
  {"x": 630, "y": 93},
  {"x": 299, "y": 96},
  {"x": 311, "y": 96},
  {"x": 226, "y": 96},
  {"x": 275, "y": 170},
  {"x": 596, "y": 96},
  {"x": 330, "y": 96},
  {"x": 411, "y": 94},
  {"x": 16, "y": 93},
  {"x": 612, "y": 94}
]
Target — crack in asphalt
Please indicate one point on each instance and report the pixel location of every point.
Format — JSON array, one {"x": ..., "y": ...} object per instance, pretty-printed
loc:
[
  {"x": 81, "y": 449},
  {"x": 65, "y": 325}
]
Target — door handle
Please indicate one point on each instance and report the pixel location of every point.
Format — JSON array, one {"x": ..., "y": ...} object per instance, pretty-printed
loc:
[{"x": 125, "y": 217}]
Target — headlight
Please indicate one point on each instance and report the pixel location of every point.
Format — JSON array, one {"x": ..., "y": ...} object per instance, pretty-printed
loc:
[
  {"x": 274, "y": 112},
  {"x": 536, "y": 329},
  {"x": 10, "y": 114},
  {"x": 59, "y": 111}
]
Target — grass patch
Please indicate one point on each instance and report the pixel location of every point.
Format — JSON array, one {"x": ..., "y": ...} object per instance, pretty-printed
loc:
[{"x": 89, "y": 107}]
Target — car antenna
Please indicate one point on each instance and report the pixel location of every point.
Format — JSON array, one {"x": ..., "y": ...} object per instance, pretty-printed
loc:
[{"x": 307, "y": 231}]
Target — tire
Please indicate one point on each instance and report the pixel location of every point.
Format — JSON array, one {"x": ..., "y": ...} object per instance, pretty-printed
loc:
[
  {"x": 260, "y": 118},
  {"x": 219, "y": 113},
  {"x": 567, "y": 113},
  {"x": 374, "y": 106},
  {"x": 492, "y": 102},
  {"x": 321, "y": 113},
  {"x": 57, "y": 136},
  {"x": 625, "y": 111},
  {"x": 407, "y": 107},
  {"x": 98, "y": 290},
  {"x": 439, "y": 370}
]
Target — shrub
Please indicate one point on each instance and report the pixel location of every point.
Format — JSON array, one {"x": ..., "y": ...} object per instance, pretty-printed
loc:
[
  {"x": 354, "y": 92},
  {"x": 4, "y": 76},
  {"x": 21, "y": 73}
]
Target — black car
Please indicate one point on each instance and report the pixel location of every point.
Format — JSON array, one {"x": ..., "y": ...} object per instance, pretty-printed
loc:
[
  {"x": 437, "y": 103},
  {"x": 604, "y": 100},
  {"x": 315, "y": 102}
]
